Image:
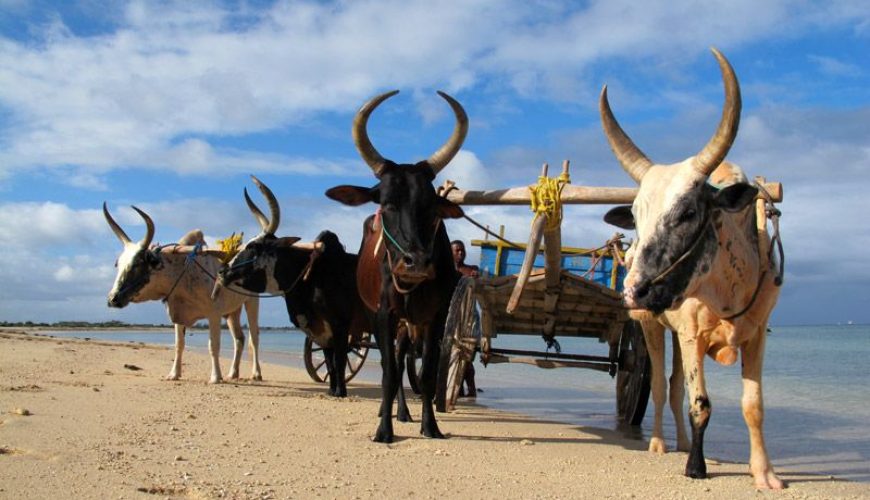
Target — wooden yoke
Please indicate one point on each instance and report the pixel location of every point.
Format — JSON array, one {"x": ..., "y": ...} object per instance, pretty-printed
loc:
[{"x": 573, "y": 195}]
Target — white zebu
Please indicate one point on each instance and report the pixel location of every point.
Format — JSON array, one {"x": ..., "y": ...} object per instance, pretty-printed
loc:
[
  {"x": 701, "y": 267},
  {"x": 185, "y": 286}
]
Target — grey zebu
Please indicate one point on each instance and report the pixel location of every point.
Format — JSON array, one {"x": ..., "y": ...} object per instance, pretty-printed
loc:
[
  {"x": 185, "y": 286},
  {"x": 699, "y": 266}
]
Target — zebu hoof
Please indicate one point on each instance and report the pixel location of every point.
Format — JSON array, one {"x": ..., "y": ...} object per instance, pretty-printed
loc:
[
  {"x": 657, "y": 446},
  {"x": 696, "y": 471},
  {"x": 215, "y": 380},
  {"x": 432, "y": 433},
  {"x": 173, "y": 376},
  {"x": 767, "y": 480},
  {"x": 257, "y": 377},
  {"x": 383, "y": 436},
  {"x": 404, "y": 416}
]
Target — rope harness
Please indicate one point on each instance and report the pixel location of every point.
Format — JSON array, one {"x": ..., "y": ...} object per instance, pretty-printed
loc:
[
  {"x": 303, "y": 276},
  {"x": 771, "y": 213},
  {"x": 191, "y": 257},
  {"x": 379, "y": 221}
]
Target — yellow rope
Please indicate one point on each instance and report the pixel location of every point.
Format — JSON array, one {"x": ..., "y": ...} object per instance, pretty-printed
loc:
[
  {"x": 546, "y": 198},
  {"x": 230, "y": 246}
]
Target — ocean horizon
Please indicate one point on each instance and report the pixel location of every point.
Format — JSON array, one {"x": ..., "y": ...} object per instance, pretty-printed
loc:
[{"x": 815, "y": 393}]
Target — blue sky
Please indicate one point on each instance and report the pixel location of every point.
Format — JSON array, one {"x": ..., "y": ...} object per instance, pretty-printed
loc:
[{"x": 171, "y": 105}]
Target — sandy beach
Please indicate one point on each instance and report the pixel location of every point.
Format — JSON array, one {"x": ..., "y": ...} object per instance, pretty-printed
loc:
[{"x": 94, "y": 419}]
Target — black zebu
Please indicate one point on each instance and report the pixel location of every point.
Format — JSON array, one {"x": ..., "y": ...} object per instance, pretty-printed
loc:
[
  {"x": 406, "y": 267},
  {"x": 318, "y": 283}
]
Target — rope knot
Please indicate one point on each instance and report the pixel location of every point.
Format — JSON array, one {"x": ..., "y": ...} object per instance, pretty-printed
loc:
[{"x": 546, "y": 198}]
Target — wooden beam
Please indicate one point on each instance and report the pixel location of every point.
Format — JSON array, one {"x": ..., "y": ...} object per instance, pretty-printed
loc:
[{"x": 571, "y": 195}]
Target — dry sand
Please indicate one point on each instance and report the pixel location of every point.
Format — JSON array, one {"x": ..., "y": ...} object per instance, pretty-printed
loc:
[{"x": 75, "y": 423}]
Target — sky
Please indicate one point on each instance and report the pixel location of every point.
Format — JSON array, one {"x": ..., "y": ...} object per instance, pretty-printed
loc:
[{"x": 171, "y": 106}]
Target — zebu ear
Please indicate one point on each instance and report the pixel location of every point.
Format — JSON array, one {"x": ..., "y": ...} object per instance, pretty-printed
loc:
[
  {"x": 446, "y": 209},
  {"x": 286, "y": 241},
  {"x": 620, "y": 216},
  {"x": 735, "y": 197},
  {"x": 353, "y": 195}
]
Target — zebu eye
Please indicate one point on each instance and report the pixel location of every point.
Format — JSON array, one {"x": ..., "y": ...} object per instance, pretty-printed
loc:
[{"x": 686, "y": 216}]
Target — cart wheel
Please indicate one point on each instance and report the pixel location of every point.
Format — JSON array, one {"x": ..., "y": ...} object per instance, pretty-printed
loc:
[
  {"x": 633, "y": 377},
  {"x": 315, "y": 362},
  {"x": 458, "y": 345}
]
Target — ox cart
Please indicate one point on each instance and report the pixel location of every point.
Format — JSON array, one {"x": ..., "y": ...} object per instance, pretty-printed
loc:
[{"x": 578, "y": 298}]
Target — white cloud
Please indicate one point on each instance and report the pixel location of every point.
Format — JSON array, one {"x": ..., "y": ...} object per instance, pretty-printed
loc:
[{"x": 123, "y": 98}]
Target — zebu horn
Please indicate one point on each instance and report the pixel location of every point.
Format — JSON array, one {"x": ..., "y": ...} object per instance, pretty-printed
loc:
[
  {"x": 264, "y": 222},
  {"x": 718, "y": 146},
  {"x": 442, "y": 157},
  {"x": 115, "y": 227},
  {"x": 531, "y": 252},
  {"x": 149, "y": 228},
  {"x": 361, "y": 137},
  {"x": 268, "y": 227},
  {"x": 630, "y": 156},
  {"x": 274, "y": 208}
]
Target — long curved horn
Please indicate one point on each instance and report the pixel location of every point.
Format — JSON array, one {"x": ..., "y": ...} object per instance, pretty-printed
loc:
[
  {"x": 630, "y": 156},
  {"x": 264, "y": 222},
  {"x": 149, "y": 226},
  {"x": 717, "y": 147},
  {"x": 115, "y": 227},
  {"x": 274, "y": 209},
  {"x": 361, "y": 137},
  {"x": 442, "y": 157}
]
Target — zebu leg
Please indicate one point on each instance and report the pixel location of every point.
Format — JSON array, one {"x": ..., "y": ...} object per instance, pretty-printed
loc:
[
  {"x": 329, "y": 359},
  {"x": 753, "y": 412},
  {"x": 339, "y": 362},
  {"x": 402, "y": 412},
  {"x": 693, "y": 349},
  {"x": 654, "y": 335},
  {"x": 429, "y": 373},
  {"x": 214, "y": 348},
  {"x": 678, "y": 393},
  {"x": 385, "y": 333},
  {"x": 252, "y": 311},
  {"x": 175, "y": 373},
  {"x": 234, "y": 322}
]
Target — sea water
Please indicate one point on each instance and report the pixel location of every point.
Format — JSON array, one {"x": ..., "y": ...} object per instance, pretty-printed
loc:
[{"x": 816, "y": 392}]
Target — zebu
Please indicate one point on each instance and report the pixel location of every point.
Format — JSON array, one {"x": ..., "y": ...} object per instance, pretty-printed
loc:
[
  {"x": 185, "y": 286},
  {"x": 700, "y": 267},
  {"x": 406, "y": 267}
]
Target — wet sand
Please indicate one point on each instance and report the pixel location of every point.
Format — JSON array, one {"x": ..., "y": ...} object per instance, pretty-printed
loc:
[{"x": 95, "y": 419}]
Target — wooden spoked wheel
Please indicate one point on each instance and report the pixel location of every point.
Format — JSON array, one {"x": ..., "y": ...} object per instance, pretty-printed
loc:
[
  {"x": 315, "y": 362},
  {"x": 633, "y": 377},
  {"x": 457, "y": 346}
]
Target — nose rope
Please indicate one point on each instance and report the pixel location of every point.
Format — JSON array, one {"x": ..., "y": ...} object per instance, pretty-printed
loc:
[
  {"x": 144, "y": 279},
  {"x": 685, "y": 255},
  {"x": 242, "y": 263},
  {"x": 405, "y": 253}
]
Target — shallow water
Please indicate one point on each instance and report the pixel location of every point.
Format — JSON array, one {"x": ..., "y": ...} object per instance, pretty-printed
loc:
[{"x": 817, "y": 399}]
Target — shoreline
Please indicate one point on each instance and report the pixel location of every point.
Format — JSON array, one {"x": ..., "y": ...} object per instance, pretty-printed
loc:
[{"x": 97, "y": 429}]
